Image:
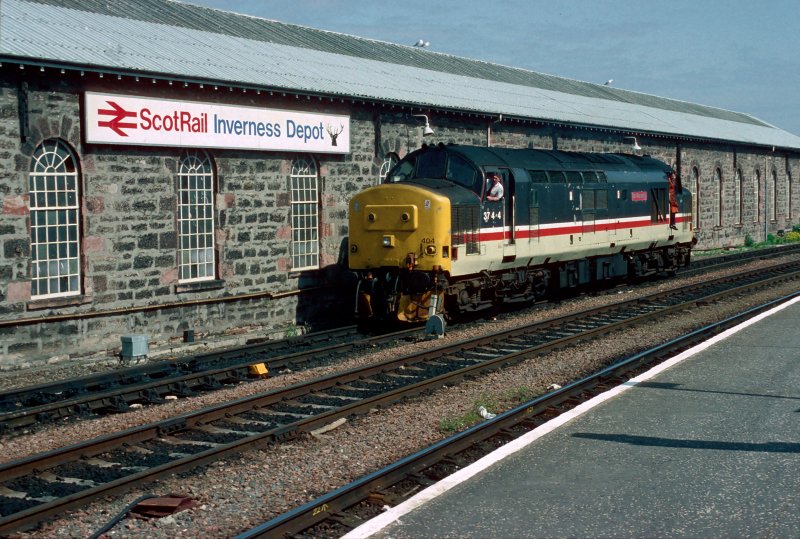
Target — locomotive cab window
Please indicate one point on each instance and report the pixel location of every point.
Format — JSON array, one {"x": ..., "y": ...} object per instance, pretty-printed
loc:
[
  {"x": 403, "y": 171},
  {"x": 436, "y": 165},
  {"x": 461, "y": 172},
  {"x": 432, "y": 165}
]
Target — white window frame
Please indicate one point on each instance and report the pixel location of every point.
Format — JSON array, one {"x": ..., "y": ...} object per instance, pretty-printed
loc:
[
  {"x": 55, "y": 221},
  {"x": 389, "y": 161},
  {"x": 196, "y": 219},
  {"x": 304, "y": 196}
]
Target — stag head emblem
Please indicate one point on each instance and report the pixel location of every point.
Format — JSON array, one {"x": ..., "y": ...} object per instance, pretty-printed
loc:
[{"x": 334, "y": 133}]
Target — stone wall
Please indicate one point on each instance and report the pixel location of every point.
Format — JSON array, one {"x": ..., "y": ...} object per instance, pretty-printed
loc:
[
  {"x": 129, "y": 240},
  {"x": 128, "y": 209},
  {"x": 739, "y": 216}
]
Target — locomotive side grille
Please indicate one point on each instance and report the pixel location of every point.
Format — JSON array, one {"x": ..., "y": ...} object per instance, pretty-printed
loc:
[
  {"x": 465, "y": 225},
  {"x": 534, "y": 216}
]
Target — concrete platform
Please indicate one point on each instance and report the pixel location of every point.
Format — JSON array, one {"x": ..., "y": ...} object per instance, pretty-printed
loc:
[{"x": 706, "y": 445}]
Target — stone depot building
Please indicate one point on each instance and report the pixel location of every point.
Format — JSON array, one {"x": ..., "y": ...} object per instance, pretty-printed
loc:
[{"x": 167, "y": 168}]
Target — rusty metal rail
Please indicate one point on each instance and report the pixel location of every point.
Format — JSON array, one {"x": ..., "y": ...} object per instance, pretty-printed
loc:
[
  {"x": 350, "y": 505},
  {"x": 116, "y": 391},
  {"x": 143, "y": 453}
]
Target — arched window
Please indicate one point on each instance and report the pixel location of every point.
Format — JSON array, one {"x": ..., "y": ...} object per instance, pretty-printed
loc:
[
  {"x": 305, "y": 214},
  {"x": 55, "y": 221},
  {"x": 389, "y": 161},
  {"x": 695, "y": 188},
  {"x": 738, "y": 197},
  {"x": 196, "y": 253},
  {"x": 773, "y": 194},
  {"x": 718, "y": 181},
  {"x": 789, "y": 213},
  {"x": 756, "y": 197}
]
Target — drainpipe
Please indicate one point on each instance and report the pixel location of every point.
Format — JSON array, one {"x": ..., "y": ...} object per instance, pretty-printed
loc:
[
  {"x": 766, "y": 198},
  {"x": 789, "y": 200},
  {"x": 489, "y": 130}
]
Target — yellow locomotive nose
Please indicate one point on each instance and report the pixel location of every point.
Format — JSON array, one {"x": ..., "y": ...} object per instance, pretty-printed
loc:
[
  {"x": 390, "y": 217},
  {"x": 384, "y": 234}
]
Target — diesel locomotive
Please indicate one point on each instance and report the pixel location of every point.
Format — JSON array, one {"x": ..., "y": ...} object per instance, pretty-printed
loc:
[{"x": 429, "y": 242}]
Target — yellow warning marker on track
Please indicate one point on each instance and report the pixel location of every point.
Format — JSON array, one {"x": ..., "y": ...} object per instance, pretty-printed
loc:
[{"x": 259, "y": 369}]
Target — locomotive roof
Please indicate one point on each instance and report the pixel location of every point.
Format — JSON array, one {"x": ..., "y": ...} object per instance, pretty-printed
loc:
[
  {"x": 179, "y": 41},
  {"x": 531, "y": 159}
]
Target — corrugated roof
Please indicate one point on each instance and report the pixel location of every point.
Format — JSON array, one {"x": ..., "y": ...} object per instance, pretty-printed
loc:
[{"x": 162, "y": 37}]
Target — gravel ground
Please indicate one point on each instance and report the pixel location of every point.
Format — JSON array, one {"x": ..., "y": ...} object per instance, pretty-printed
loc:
[{"x": 241, "y": 492}]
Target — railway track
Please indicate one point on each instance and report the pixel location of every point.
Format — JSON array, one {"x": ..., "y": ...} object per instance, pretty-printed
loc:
[
  {"x": 116, "y": 391},
  {"x": 337, "y": 512},
  {"x": 43, "y": 485},
  {"x": 699, "y": 265}
]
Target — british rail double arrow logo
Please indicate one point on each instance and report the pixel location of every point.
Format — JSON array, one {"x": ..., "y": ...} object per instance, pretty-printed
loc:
[{"x": 116, "y": 124}]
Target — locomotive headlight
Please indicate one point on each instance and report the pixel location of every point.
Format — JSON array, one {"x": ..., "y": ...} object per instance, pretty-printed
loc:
[
  {"x": 388, "y": 241},
  {"x": 353, "y": 248},
  {"x": 430, "y": 249}
]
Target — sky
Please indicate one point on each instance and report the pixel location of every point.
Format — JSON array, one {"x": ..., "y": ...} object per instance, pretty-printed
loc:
[{"x": 738, "y": 55}]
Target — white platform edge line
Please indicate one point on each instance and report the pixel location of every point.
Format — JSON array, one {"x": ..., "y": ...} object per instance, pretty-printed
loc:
[{"x": 376, "y": 524}]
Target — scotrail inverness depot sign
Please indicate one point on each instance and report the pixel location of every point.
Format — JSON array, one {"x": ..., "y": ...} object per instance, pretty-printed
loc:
[{"x": 120, "y": 119}]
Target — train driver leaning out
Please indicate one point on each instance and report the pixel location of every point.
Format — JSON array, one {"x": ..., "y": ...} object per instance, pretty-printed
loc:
[{"x": 496, "y": 190}]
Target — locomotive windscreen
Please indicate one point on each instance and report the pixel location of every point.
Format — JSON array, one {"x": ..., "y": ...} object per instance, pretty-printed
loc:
[
  {"x": 431, "y": 165},
  {"x": 437, "y": 165}
]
